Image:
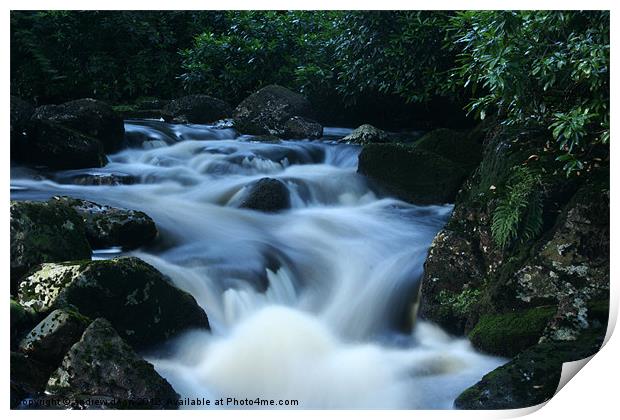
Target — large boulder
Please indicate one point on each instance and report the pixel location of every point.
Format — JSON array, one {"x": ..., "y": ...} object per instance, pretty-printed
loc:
[
  {"x": 21, "y": 111},
  {"x": 44, "y": 232},
  {"x": 463, "y": 147},
  {"x": 529, "y": 379},
  {"x": 413, "y": 174},
  {"x": 366, "y": 134},
  {"x": 91, "y": 117},
  {"x": 101, "y": 363},
  {"x": 302, "y": 128},
  {"x": 60, "y": 147},
  {"x": 268, "y": 195},
  {"x": 144, "y": 307},
  {"x": 430, "y": 171},
  {"x": 53, "y": 337},
  {"x": 507, "y": 297},
  {"x": 108, "y": 226},
  {"x": 196, "y": 109},
  {"x": 268, "y": 110}
]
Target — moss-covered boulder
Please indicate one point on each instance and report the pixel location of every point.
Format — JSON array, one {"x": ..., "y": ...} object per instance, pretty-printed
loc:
[
  {"x": 268, "y": 110},
  {"x": 267, "y": 195},
  {"x": 529, "y": 379},
  {"x": 22, "y": 320},
  {"x": 302, "y": 128},
  {"x": 533, "y": 289},
  {"x": 413, "y": 174},
  {"x": 367, "y": 134},
  {"x": 108, "y": 226},
  {"x": 51, "y": 338},
  {"x": 101, "y": 363},
  {"x": 142, "y": 304},
  {"x": 44, "y": 232},
  {"x": 196, "y": 109},
  {"x": 60, "y": 147},
  {"x": 509, "y": 333},
  {"x": 463, "y": 147},
  {"x": 21, "y": 111},
  {"x": 93, "y": 118}
]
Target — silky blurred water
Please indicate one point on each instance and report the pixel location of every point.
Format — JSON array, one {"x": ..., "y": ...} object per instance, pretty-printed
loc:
[{"x": 310, "y": 303}]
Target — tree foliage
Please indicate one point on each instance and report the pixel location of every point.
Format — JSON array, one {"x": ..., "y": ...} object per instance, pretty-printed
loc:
[{"x": 540, "y": 68}]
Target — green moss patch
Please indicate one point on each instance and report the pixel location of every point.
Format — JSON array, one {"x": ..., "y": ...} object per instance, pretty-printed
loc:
[{"x": 509, "y": 333}]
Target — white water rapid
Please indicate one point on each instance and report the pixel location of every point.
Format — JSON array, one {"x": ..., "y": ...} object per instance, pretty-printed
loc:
[{"x": 307, "y": 304}]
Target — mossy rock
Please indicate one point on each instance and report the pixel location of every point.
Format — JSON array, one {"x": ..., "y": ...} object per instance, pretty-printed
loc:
[
  {"x": 531, "y": 378},
  {"x": 142, "y": 305},
  {"x": 413, "y": 174},
  {"x": 367, "y": 134},
  {"x": 60, "y": 147},
  {"x": 108, "y": 226},
  {"x": 266, "y": 111},
  {"x": 463, "y": 147},
  {"x": 196, "y": 109},
  {"x": 51, "y": 338},
  {"x": 93, "y": 118},
  {"x": 509, "y": 333},
  {"x": 44, "y": 232},
  {"x": 101, "y": 363},
  {"x": 302, "y": 128}
]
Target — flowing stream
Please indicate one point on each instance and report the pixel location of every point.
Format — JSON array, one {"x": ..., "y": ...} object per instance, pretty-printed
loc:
[{"x": 309, "y": 304}]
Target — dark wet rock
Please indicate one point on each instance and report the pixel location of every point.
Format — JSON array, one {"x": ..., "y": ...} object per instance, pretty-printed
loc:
[
  {"x": 108, "y": 226},
  {"x": 102, "y": 179},
  {"x": 268, "y": 195},
  {"x": 51, "y": 338},
  {"x": 44, "y": 232},
  {"x": 302, "y": 128},
  {"x": 60, "y": 147},
  {"x": 452, "y": 282},
  {"x": 142, "y": 305},
  {"x": 91, "y": 117},
  {"x": 531, "y": 378},
  {"x": 268, "y": 110},
  {"x": 28, "y": 377},
  {"x": 366, "y": 134},
  {"x": 21, "y": 111},
  {"x": 196, "y": 109},
  {"x": 412, "y": 174},
  {"x": 103, "y": 364},
  {"x": 22, "y": 321}
]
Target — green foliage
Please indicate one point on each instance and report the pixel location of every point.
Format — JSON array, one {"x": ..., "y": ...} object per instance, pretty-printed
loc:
[
  {"x": 257, "y": 48},
  {"x": 540, "y": 69},
  {"x": 399, "y": 53},
  {"x": 109, "y": 55},
  {"x": 519, "y": 212}
]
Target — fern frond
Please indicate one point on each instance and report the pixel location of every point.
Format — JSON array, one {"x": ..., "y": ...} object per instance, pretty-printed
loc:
[{"x": 518, "y": 214}]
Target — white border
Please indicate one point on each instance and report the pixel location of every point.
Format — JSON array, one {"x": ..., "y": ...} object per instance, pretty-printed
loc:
[{"x": 592, "y": 395}]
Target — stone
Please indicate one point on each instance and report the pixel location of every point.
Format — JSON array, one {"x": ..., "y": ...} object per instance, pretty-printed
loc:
[
  {"x": 142, "y": 304},
  {"x": 101, "y": 363}
]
